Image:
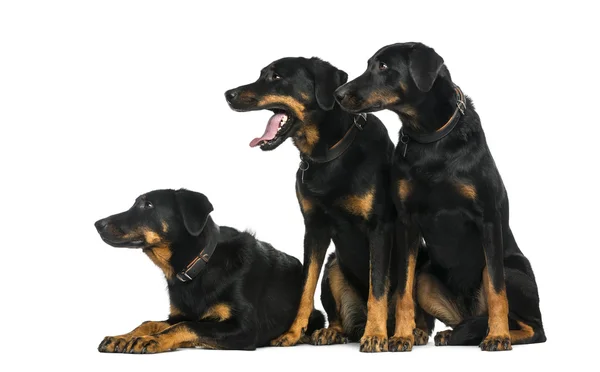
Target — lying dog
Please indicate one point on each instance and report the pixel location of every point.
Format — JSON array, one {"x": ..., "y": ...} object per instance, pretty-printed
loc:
[
  {"x": 227, "y": 289},
  {"x": 449, "y": 192},
  {"x": 342, "y": 187}
]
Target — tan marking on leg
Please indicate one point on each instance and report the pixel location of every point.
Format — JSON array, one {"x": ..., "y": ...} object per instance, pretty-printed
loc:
[
  {"x": 171, "y": 338},
  {"x": 296, "y": 107},
  {"x": 220, "y": 311},
  {"x": 467, "y": 190},
  {"x": 116, "y": 344},
  {"x": 360, "y": 205},
  {"x": 522, "y": 335},
  {"x": 431, "y": 297},
  {"x": 375, "y": 337},
  {"x": 305, "y": 204},
  {"x": 348, "y": 302},
  {"x": 404, "y": 189},
  {"x": 307, "y": 302},
  {"x": 405, "y": 308},
  {"x": 498, "y": 331}
]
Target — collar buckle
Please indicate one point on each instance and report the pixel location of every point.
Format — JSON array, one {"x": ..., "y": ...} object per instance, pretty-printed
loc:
[{"x": 364, "y": 117}]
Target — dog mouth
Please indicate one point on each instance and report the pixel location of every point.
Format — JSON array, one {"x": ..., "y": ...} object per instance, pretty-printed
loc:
[
  {"x": 278, "y": 129},
  {"x": 123, "y": 243}
]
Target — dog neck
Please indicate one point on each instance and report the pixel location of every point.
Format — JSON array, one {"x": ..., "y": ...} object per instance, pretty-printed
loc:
[
  {"x": 322, "y": 131},
  {"x": 190, "y": 257},
  {"x": 432, "y": 111}
]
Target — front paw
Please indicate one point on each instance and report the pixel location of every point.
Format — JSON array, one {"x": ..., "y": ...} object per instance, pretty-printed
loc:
[
  {"x": 328, "y": 336},
  {"x": 496, "y": 343},
  {"x": 399, "y": 343},
  {"x": 112, "y": 344},
  {"x": 143, "y": 345},
  {"x": 442, "y": 338},
  {"x": 373, "y": 344},
  {"x": 290, "y": 338}
]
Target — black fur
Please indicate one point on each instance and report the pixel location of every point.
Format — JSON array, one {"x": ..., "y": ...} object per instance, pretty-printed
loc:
[
  {"x": 304, "y": 90},
  {"x": 457, "y": 200},
  {"x": 257, "y": 285}
]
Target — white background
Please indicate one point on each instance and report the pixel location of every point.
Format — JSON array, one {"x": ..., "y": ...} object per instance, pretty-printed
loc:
[{"x": 102, "y": 101}]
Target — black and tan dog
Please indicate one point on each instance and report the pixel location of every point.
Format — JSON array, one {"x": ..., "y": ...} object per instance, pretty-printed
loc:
[
  {"x": 227, "y": 289},
  {"x": 342, "y": 187},
  {"x": 449, "y": 192}
]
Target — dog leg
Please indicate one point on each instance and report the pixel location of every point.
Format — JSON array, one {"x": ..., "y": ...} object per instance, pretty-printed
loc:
[
  {"x": 116, "y": 344},
  {"x": 498, "y": 337},
  {"x": 316, "y": 241},
  {"x": 211, "y": 335},
  {"x": 375, "y": 338},
  {"x": 408, "y": 240}
]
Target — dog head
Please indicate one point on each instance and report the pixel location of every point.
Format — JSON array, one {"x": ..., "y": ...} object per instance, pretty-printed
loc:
[
  {"x": 297, "y": 91},
  {"x": 397, "y": 76},
  {"x": 165, "y": 224}
]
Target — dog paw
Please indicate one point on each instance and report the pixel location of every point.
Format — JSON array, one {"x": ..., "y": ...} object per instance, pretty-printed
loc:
[
  {"x": 373, "y": 344},
  {"x": 112, "y": 344},
  {"x": 398, "y": 343},
  {"x": 143, "y": 345},
  {"x": 496, "y": 343},
  {"x": 421, "y": 337},
  {"x": 290, "y": 338},
  {"x": 328, "y": 336},
  {"x": 441, "y": 338}
]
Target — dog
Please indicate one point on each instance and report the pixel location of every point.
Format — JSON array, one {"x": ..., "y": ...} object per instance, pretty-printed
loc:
[
  {"x": 227, "y": 289},
  {"x": 343, "y": 190},
  {"x": 448, "y": 192}
]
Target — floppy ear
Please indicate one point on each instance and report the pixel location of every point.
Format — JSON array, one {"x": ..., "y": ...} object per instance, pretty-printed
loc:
[
  {"x": 327, "y": 80},
  {"x": 424, "y": 65},
  {"x": 194, "y": 208}
]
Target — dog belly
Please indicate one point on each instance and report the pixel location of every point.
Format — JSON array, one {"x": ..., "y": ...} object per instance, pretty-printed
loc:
[
  {"x": 455, "y": 250},
  {"x": 352, "y": 251}
]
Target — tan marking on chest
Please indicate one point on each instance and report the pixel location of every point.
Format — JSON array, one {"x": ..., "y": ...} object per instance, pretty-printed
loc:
[
  {"x": 467, "y": 190},
  {"x": 161, "y": 255},
  {"x": 404, "y": 189},
  {"x": 221, "y": 312},
  {"x": 306, "y": 138},
  {"x": 360, "y": 205}
]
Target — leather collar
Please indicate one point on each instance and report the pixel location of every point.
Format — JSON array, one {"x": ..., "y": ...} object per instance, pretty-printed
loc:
[
  {"x": 407, "y": 134},
  {"x": 201, "y": 260},
  {"x": 341, "y": 146}
]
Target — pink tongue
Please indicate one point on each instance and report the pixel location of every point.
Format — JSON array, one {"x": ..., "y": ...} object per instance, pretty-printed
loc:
[{"x": 270, "y": 131}]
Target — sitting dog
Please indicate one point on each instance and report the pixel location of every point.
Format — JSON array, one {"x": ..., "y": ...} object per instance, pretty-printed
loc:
[
  {"x": 227, "y": 289},
  {"x": 449, "y": 192},
  {"x": 343, "y": 191}
]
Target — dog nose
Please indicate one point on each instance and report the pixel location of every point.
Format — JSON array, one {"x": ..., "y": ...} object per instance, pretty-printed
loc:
[
  {"x": 101, "y": 225},
  {"x": 340, "y": 94},
  {"x": 230, "y": 95}
]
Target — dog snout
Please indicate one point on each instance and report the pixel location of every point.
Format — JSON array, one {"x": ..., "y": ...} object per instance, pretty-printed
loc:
[
  {"x": 101, "y": 225},
  {"x": 230, "y": 95},
  {"x": 341, "y": 93}
]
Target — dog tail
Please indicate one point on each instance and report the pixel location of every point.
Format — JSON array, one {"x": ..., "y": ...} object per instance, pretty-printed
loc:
[{"x": 315, "y": 322}]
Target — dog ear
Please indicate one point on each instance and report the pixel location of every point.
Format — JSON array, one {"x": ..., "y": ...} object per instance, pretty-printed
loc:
[
  {"x": 424, "y": 65},
  {"x": 194, "y": 208},
  {"x": 327, "y": 80}
]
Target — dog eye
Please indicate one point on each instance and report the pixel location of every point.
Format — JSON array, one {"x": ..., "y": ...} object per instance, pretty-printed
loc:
[
  {"x": 382, "y": 66},
  {"x": 276, "y": 76},
  {"x": 148, "y": 205}
]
